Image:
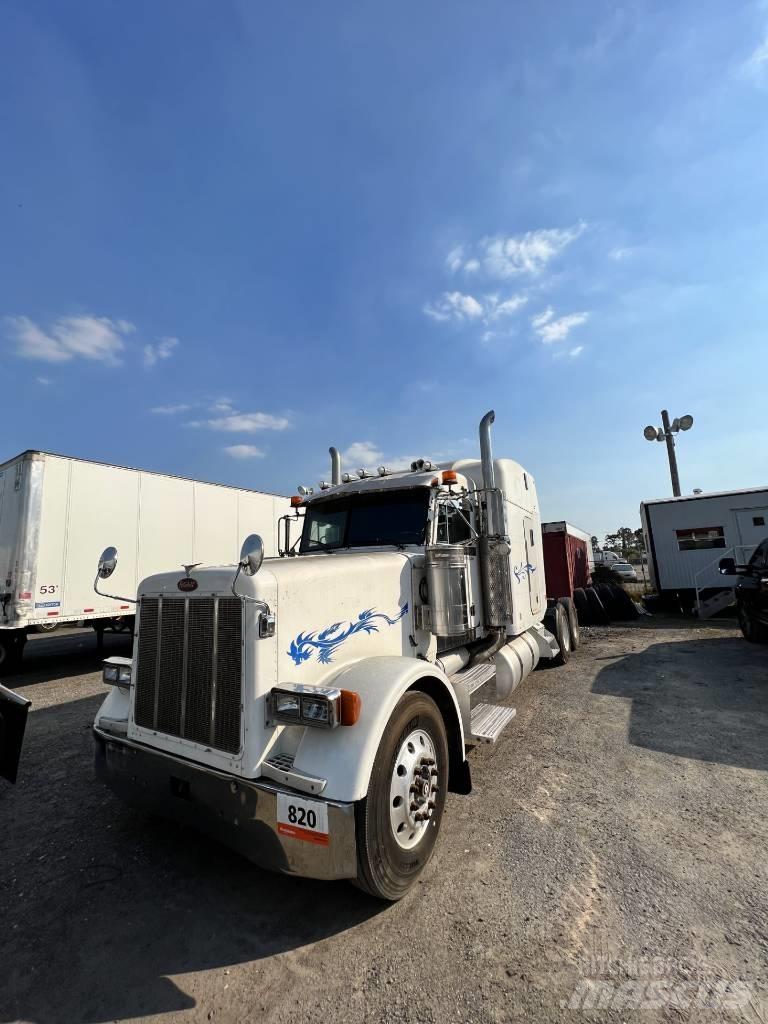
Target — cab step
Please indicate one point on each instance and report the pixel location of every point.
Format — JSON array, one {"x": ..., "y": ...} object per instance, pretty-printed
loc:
[
  {"x": 488, "y": 721},
  {"x": 472, "y": 679}
]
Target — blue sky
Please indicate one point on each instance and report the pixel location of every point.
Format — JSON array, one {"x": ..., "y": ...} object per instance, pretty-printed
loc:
[{"x": 234, "y": 233}]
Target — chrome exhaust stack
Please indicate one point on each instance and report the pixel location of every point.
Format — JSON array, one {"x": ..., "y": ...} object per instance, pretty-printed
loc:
[
  {"x": 494, "y": 552},
  {"x": 486, "y": 458},
  {"x": 335, "y": 466}
]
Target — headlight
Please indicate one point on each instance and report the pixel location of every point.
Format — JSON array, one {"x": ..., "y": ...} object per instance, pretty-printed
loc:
[
  {"x": 323, "y": 707},
  {"x": 115, "y": 672},
  {"x": 316, "y": 710},
  {"x": 287, "y": 704}
]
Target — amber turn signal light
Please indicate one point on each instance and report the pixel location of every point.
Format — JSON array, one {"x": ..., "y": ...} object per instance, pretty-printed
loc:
[
  {"x": 296, "y": 500},
  {"x": 351, "y": 707},
  {"x": 450, "y": 476}
]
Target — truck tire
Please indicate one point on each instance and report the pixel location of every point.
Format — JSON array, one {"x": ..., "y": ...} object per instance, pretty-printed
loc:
[
  {"x": 573, "y": 621},
  {"x": 46, "y": 627},
  {"x": 605, "y": 593},
  {"x": 625, "y": 606},
  {"x": 410, "y": 773},
  {"x": 597, "y": 613},
  {"x": 752, "y": 631},
  {"x": 562, "y": 631},
  {"x": 11, "y": 651},
  {"x": 582, "y": 606}
]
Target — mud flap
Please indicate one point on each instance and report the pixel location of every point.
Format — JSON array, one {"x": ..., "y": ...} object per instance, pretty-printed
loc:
[{"x": 13, "y": 722}]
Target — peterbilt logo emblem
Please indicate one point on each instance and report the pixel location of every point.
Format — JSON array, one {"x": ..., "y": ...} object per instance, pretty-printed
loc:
[{"x": 187, "y": 583}]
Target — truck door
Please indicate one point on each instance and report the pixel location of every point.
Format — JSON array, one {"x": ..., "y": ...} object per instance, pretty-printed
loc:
[{"x": 534, "y": 565}]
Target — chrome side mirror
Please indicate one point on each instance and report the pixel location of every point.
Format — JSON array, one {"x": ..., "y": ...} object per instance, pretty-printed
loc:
[
  {"x": 107, "y": 563},
  {"x": 252, "y": 554}
]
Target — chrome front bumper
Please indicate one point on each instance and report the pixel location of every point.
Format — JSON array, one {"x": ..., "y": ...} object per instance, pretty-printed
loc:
[{"x": 241, "y": 813}]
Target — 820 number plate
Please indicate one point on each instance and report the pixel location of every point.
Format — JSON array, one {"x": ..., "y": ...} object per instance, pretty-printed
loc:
[{"x": 302, "y": 819}]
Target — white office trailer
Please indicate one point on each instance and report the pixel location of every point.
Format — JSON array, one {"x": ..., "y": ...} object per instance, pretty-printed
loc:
[
  {"x": 58, "y": 513},
  {"x": 686, "y": 537}
]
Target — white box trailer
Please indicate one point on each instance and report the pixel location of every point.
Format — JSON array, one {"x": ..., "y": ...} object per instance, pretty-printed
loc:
[
  {"x": 57, "y": 514},
  {"x": 686, "y": 537}
]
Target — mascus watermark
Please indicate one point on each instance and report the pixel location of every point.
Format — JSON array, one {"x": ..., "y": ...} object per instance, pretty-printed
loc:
[{"x": 655, "y": 984}]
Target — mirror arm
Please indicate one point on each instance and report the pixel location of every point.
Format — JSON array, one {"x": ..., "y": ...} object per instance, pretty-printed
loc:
[
  {"x": 245, "y": 597},
  {"x": 112, "y": 597}
]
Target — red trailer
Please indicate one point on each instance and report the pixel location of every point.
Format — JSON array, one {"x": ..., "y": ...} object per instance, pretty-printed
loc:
[{"x": 567, "y": 558}]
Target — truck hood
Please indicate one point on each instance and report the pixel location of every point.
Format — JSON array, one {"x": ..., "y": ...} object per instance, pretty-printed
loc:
[{"x": 330, "y": 608}]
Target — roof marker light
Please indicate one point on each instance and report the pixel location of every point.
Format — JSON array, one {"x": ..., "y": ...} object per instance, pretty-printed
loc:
[
  {"x": 450, "y": 476},
  {"x": 296, "y": 500}
]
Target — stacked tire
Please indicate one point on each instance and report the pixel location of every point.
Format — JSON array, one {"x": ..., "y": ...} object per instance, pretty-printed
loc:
[{"x": 603, "y": 603}]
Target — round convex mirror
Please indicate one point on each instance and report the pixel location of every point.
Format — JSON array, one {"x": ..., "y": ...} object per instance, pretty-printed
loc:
[
  {"x": 252, "y": 554},
  {"x": 107, "y": 563}
]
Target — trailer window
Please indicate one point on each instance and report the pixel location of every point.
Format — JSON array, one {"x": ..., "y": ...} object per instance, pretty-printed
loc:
[
  {"x": 700, "y": 537},
  {"x": 366, "y": 520}
]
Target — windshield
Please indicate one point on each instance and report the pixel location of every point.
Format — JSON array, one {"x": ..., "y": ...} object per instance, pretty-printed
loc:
[{"x": 366, "y": 520}]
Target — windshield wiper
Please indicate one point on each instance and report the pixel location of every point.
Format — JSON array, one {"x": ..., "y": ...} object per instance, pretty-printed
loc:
[{"x": 322, "y": 546}]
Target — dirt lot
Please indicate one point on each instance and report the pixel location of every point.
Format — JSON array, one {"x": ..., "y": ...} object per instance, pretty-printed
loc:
[{"x": 616, "y": 834}]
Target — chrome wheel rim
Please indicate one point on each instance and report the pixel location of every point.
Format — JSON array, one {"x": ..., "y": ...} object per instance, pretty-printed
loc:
[
  {"x": 413, "y": 789},
  {"x": 567, "y": 637}
]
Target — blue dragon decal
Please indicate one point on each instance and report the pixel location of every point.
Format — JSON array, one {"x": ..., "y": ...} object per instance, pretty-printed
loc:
[
  {"x": 523, "y": 571},
  {"x": 328, "y": 640}
]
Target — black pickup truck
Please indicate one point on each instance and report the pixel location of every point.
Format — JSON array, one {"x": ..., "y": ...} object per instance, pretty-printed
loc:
[{"x": 751, "y": 593}]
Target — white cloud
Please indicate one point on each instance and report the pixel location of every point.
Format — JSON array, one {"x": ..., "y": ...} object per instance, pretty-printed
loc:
[
  {"x": 529, "y": 253},
  {"x": 455, "y": 258},
  {"x": 162, "y": 350},
  {"x": 472, "y": 266},
  {"x": 621, "y": 253},
  {"x": 245, "y": 423},
  {"x": 362, "y": 454},
  {"x": 495, "y": 309},
  {"x": 454, "y": 306},
  {"x": 243, "y": 451},
  {"x": 576, "y": 351},
  {"x": 756, "y": 65},
  {"x": 69, "y": 337},
  {"x": 170, "y": 410},
  {"x": 223, "y": 406},
  {"x": 367, "y": 455},
  {"x": 551, "y": 329},
  {"x": 45, "y": 381},
  {"x": 457, "y": 306},
  {"x": 542, "y": 318}
]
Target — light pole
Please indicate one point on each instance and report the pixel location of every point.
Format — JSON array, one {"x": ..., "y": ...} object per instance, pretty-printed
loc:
[{"x": 667, "y": 433}]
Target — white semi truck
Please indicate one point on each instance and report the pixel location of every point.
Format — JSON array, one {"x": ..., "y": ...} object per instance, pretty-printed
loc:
[
  {"x": 54, "y": 510},
  {"x": 313, "y": 710}
]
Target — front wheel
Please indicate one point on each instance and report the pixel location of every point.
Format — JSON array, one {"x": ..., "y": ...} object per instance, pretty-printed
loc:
[
  {"x": 399, "y": 819},
  {"x": 752, "y": 631}
]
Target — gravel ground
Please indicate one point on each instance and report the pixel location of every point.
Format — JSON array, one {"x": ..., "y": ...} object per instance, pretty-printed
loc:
[{"x": 616, "y": 834}]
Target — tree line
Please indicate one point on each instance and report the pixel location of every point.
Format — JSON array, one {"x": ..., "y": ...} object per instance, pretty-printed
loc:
[{"x": 625, "y": 542}]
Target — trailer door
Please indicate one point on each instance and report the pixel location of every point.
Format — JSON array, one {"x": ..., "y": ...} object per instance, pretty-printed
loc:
[{"x": 752, "y": 525}]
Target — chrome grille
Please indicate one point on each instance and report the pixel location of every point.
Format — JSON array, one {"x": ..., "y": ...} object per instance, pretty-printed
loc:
[{"x": 189, "y": 672}]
